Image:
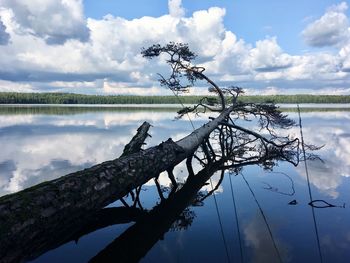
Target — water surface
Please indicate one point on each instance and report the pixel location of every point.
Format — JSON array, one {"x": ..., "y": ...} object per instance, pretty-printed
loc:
[{"x": 43, "y": 143}]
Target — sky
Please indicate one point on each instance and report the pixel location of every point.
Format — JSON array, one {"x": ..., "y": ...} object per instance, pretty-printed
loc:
[{"x": 93, "y": 47}]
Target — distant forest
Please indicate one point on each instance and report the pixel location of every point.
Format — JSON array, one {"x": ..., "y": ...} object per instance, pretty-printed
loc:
[{"x": 70, "y": 98}]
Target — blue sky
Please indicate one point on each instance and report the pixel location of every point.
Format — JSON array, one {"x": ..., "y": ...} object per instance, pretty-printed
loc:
[
  {"x": 248, "y": 19},
  {"x": 89, "y": 46}
]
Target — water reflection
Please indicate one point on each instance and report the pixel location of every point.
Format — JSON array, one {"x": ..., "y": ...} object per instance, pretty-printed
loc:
[
  {"x": 258, "y": 239},
  {"x": 331, "y": 131},
  {"x": 38, "y": 147},
  {"x": 172, "y": 212}
]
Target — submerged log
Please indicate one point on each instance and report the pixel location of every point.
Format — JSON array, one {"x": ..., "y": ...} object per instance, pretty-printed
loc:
[{"x": 25, "y": 215}]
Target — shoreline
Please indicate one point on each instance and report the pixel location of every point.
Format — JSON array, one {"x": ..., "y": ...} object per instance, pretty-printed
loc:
[{"x": 167, "y": 105}]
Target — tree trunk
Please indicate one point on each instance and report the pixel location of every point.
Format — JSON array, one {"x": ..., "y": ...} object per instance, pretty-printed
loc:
[{"x": 25, "y": 215}]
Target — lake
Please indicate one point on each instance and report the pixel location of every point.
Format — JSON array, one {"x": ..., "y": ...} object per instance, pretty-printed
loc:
[{"x": 255, "y": 216}]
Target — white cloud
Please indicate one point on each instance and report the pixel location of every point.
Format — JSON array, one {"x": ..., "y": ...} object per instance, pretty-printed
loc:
[
  {"x": 175, "y": 8},
  {"x": 344, "y": 57},
  {"x": 4, "y": 36},
  {"x": 273, "y": 90},
  {"x": 267, "y": 56},
  {"x": 8, "y": 86},
  {"x": 54, "y": 20},
  {"x": 340, "y": 8},
  {"x": 331, "y": 29},
  {"x": 109, "y": 61}
]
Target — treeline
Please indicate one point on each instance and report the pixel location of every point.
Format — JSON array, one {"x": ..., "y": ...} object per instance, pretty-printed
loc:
[
  {"x": 70, "y": 110},
  {"x": 69, "y": 98}
]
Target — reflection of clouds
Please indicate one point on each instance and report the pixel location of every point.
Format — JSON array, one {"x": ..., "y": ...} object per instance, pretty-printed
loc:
[
  {"x": 336, "y": 243},
  {"x": 10, "y": 120},
  {"x": 327, "y": 129},
  {"x": 257, "y": 237},
  {"x": 73, "y": 122},
  {"x": 40, "y": 158},
  {"x": 101, "y": 119},
  {"x": 6, "y": 170},
  {"x": 328, "y": 115},
  {"x": 37, "y": 148},
  {"x": 323, "y": 175},
  {"x": 124, "y": 118},
  {"x": 33, "y": 141}
]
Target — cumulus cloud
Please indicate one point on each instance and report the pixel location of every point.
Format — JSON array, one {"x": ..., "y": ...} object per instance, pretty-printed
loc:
[
  {"x": 4, "y": 36},
  {"x": 267, "y": 56},
  {"x": 273, "y": 90},
  {"x": 175, "y": 8},
  {"x": 344, "y": 57},
  {"x": 113, "y": 51},
  {"x": 54, "y": 20},
  {"x": 103, "y": 55},
  {"x": 331, "y": 29}
]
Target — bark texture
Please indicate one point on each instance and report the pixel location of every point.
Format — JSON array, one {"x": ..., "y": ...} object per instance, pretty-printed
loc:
[{"x": 138, "y": 140}]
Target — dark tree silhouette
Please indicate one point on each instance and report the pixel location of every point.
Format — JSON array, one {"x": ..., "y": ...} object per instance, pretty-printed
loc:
[
  {"x": 241, "y": 140},
  {"x": 180, "y": 61}
]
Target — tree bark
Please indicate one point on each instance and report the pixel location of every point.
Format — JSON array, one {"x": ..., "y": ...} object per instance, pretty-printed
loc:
[{"x": 138, "y": 140}]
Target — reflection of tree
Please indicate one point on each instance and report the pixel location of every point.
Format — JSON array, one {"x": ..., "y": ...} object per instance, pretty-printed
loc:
[
  {"x": 184, "y": 220},
  {"x": 266, "y": 223},
  {"x": 276, "y": 190},
  {"x": 24, "y": 247},
  {"x": 150, "y": 228},
  {"x": 226, "y": 148},
  {"x": 173, "y": 212}
]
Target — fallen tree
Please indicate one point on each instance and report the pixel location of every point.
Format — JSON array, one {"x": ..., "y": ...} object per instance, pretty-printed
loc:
[
  {"x": 150, "y": 226},
  {"x": 35, "y": 210},
  {"x": 26, "y": 215}
]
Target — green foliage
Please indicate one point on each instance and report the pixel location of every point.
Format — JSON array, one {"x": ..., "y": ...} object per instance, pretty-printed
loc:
[
  {"x": 69, "y": 98},
  {"x": 81, "y": 109}
]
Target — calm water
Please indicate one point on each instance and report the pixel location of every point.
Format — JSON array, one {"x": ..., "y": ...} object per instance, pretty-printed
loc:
[{"x": 43, "y": 143}]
